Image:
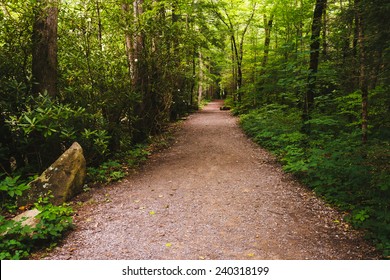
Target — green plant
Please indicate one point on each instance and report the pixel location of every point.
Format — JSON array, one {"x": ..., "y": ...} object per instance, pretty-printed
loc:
[
  {"x": 13, "y": 240},
  {"x": 107, "y": 172},
  {"x": 137, "y": 155},
  {"x": 333, "y": 162},
  {"x": 10, "y": 188},
  {"x": 17, "y": 241},
  {"x": 53, "y": 221},
  {"x": 358, "y": 217},
  {"x": 45, "y": 127}
]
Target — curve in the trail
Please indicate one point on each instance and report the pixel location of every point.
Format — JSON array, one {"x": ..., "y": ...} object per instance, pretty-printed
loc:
[{"x": 213, "y": 195}]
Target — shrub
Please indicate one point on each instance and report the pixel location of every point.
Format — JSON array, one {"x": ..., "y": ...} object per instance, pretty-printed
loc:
[
  {"x": 45, "y": 128},
  {"x": 332, "y": 161},
  {"x": 18, "y": 242},
  {"x": 10, "y": 188}
]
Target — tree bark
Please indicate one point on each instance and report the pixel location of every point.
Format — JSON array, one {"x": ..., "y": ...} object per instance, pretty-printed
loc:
[
  {"x": 237, "y": 51},
  {"x": 100, "y": 26},
  {"x": 324, "y": 31},
  {"x": 363, "y": 75},
  {"x": 129, "y": 43},
  {"x": 233, "y": 67},
  {"x": 240, "y": 56},
  {"x": 200, "y": 85},
  {"x": 308, "y": 104},
  {"x": 267, "y": 41},
  {"x": 44, "y": 54}
]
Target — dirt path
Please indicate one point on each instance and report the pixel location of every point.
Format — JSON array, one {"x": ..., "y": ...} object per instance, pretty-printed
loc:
[{"x": 213, "y": 195}]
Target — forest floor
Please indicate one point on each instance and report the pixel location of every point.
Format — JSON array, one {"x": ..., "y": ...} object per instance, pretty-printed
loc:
[{"x": 213, "y": 194}]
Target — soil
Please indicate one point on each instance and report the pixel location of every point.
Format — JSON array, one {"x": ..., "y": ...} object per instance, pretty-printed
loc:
[{"x": 213, "y": 194}]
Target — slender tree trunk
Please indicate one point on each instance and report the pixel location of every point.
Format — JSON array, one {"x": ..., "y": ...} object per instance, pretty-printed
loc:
[
  {"x": 134, "y": 48},
  {"x": 44, "y": 54},
  {"x": 129, "y": 42},
  {"x": 237, "y": 51},
  {"x": 175, "y": 43},
  {"x": 314, "y": 61},
  {"x": 200, "y": 85},
  {"x": 324, "y": 31},
  {"x": 363, "y": 75},
  {"x": 236, "y": 60},
  {"x": 138, "y": 42},
  {"x": 193, "y": 76},
  {"x": 100, "y": 26},
  {"x": 240, "y": 56},
  {"x": 267, "y": 41},
  {"x": 234, "y": 71}
]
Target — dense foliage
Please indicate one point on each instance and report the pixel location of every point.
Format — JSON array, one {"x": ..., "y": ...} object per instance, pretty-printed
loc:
[
  {"x": 121, "y": 70},
  {"x": 309, "y": 77},
  {"x": 339, "y": 143},
  {"x": 18, "y": 241},
  {"x": 125, "y": 69}
]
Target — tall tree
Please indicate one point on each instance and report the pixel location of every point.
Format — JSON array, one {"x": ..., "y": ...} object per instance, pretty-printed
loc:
[
  {"x": 44, "y": 54},
  {"x": 363, "y": 75},
  {"x": 200, "y": 84},
  {"x": 267, "y": 40},
  {"x": 308, "y": 103},
  {"x": 236, "y": 39}
]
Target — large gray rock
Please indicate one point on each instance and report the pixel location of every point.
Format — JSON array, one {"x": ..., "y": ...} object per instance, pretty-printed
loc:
[{"x": 63, "y": 179}]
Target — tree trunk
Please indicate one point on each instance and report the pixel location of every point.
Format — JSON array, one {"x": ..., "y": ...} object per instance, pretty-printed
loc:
[
  {"x": 200, "y": 86},
  {"x": 324, "y": 32},
  {"x": 240, "y": 55},
  {"x": 44, "y": 54},
  {"x": 308, "y": 104},
  {"x": 363, "y": 75},
  {"x": 100, "y": 26},
  {"x": 193, "y": 75},
  {"x": 134, "y": 48},
  {"x": 129, "y": 42},
  {"x": 234, "y": 72},
  {"x": 267, "y": 41}
]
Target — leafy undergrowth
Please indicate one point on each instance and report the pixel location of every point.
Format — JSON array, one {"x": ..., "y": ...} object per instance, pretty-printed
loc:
[
  {"x": 124, "y": 162},
  {"x": 18, "y": 241},
  {"x": 333, "y": 162}
]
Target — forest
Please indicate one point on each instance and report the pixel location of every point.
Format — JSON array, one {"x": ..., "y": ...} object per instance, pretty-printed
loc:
[{"x": 309, "y": 80}]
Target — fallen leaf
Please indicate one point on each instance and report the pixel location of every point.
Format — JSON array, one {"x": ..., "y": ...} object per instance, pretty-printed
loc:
[
  {"x": 168, "y": 245},
  {"x": 152, "y": 213},
  {"x": 251, "y": 255}
]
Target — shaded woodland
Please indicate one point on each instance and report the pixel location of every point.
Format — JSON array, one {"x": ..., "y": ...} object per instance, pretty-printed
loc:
[{"x": 308, "y": 78}]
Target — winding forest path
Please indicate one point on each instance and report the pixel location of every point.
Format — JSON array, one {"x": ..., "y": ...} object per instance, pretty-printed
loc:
[{"x": 213, "y": 195}]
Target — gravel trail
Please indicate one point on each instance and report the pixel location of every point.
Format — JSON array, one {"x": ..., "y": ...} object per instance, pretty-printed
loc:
[{"x": 213, "y": 195}]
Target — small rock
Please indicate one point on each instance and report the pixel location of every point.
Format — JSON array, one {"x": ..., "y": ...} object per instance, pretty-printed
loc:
[{"x": 28, "y": 218}]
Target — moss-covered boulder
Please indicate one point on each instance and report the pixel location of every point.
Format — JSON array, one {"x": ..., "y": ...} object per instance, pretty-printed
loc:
[{"x": 63, "y": 179}]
